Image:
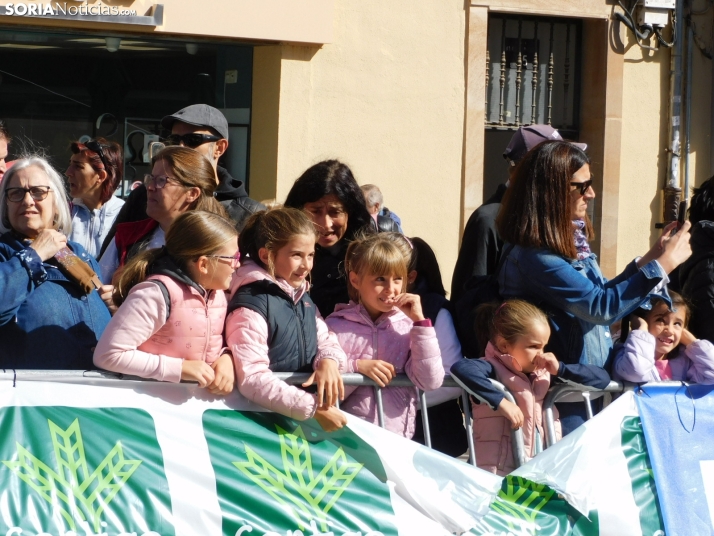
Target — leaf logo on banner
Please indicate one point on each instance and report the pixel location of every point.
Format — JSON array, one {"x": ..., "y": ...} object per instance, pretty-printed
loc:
[
  {"x": 522, "y": 499},
  {"x": 79, "y": 493},
  {"x": 310, "y": 496}
]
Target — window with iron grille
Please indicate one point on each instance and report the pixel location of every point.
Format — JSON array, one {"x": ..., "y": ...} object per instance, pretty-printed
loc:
[{"x": 533, "y": 73}]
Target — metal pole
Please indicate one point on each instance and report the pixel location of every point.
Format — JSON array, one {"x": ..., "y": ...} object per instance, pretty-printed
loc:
[
  {"x": 380, "y": 406},
  {"x": 688, "y": 108},
  {"x": 672, "y": 190},
  {"x": 466, "y": 403},
  {"x": 425, "y": 418}
]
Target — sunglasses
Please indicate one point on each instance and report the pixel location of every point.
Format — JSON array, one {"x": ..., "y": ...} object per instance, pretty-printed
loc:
[
  {"x": 190, "y": 140},
  {"x": 234, "y": 260},
  {"x": 38, "y": 193},
  {"x": 582, "y": 186},
  {"x": 158, "y": 182},
  {"x": 97, "y": 147}
]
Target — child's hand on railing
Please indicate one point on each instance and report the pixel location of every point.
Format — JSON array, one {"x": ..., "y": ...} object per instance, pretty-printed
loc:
[
  {"x": 330, "y": 418},
  {"x": 222, "y": 383},
  {"x": 511, "y": 412},
  {"x": 547, "y": 361},
  {"x": 197, "y": 371},
  {"x": 329, "y": 383},
  {"x": 382, "y": 372}
]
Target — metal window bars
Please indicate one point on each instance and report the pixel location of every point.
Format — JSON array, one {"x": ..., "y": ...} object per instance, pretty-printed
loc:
[{"x": 544, "y": 51}]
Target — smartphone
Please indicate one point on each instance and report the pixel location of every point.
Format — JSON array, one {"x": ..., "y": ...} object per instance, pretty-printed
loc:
[{"x": 682, "y": 216}]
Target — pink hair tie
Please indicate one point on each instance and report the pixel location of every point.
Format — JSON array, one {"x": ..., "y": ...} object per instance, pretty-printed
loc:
[
  {"x": 498, "y": 309},
  {"x": 408, "y": 241}
]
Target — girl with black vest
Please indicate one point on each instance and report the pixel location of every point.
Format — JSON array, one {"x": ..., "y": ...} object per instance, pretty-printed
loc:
[{"x": 274, "y": 326}]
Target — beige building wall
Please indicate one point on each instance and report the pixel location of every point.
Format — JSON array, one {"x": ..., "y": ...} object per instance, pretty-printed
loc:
[{"x": 386, "y": 97}]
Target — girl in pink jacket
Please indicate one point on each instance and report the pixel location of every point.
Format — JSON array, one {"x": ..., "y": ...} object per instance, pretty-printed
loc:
[
  {"x": 274, "y": 326},
  {"x": 384, "y": 332},
  {"x": 169, "y": 325},
  {"x": 517, "y": 333},
  {"x": 660, "y": 347}
]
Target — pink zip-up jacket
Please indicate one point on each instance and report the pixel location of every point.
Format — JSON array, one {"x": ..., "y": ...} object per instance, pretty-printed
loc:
[
  {"x": 413, "y": 350},
  {"x": 140, "y": 340},
  {"x": 635, "y": 360},
  {"x": 247, "y": 338}
]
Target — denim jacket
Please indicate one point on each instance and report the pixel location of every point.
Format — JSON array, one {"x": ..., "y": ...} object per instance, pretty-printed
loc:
[
  {"x": 580, "y": 302},
  {"x": 46, "y": 321}
]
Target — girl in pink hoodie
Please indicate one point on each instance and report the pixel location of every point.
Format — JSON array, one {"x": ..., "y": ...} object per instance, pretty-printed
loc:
[
  {"x": 384, "y": 332},
  {"x": 274, "y": 326},
  {"x": 169, "y": 325}
]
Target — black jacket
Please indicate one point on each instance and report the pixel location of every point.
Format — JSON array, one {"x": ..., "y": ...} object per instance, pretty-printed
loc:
[
  {"x": 292, "y": 327},
  {"x": 230, "y": 193},
  {"x": 696, "y": 277},
  {"x": 480, "y": 246},
  {"x": 329, "y": 283}
]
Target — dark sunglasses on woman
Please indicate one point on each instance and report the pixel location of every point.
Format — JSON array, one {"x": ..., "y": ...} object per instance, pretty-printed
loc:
[
  {"x": 582, "y": 186},
  {"x": 190, "y": 140},
  {"x": 96, "y": 147}
]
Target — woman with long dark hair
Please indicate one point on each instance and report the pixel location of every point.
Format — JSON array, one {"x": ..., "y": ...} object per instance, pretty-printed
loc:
[
  {"x": 330, "y": 195},
  {"x": 545, "y": 226}
]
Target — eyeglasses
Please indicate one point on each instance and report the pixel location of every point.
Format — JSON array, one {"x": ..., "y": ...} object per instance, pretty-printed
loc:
[
  {"x": 38, "y": 193},
  {"x": 234, "y": 260},
  {"x": 191, "y": 140},
  {"x": 158, "y": 182},
  {"x": 583, "y": 186},
  {"x": 96, "y": 147}
]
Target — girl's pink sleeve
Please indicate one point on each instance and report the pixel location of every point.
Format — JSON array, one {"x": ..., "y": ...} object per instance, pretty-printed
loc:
[
  {"x": 328, "y": 347},
  {"x": 424, "y": 367},
  {"x": 141, "y": 315},
  {"x": 701, "y": 354},
  {"x": 635, "y": 360},
  {"x": 247, "y": 338}
]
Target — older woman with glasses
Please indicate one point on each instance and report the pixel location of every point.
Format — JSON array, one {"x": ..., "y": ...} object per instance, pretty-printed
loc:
[
  {"x": 181, "y": 179},
  {"x": 51, "y": 314},
  {"x": 95, "y": 170}
]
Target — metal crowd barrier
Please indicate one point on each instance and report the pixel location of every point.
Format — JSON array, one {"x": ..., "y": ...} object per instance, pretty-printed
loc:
[
  {"x": 571, "y": 392},
  {"x": 401, "y": 380}
]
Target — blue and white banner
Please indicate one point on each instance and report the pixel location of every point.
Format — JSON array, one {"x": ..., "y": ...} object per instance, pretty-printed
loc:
[{"x": 678, "y": 423}]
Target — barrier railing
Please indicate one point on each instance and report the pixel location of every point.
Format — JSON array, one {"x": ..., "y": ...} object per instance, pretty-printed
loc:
[
  {"x": 401, "y": 380},
  {"x": 571, "y": 392}
]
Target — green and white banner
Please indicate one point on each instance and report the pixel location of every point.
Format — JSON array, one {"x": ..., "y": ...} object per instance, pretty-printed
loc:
[{"x": 89, "y": 457}]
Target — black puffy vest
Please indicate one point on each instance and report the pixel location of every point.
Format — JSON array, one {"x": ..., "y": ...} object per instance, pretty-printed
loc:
[{"x": 292, "y": 327}]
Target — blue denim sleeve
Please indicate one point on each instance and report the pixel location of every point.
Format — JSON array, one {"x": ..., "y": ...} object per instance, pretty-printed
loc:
[
  {"x": 555, "y": 281},
  {"x": 630, "y": 270},
  {"x": 473, "y": 375},
  {"x": 20, "y": 275}
]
